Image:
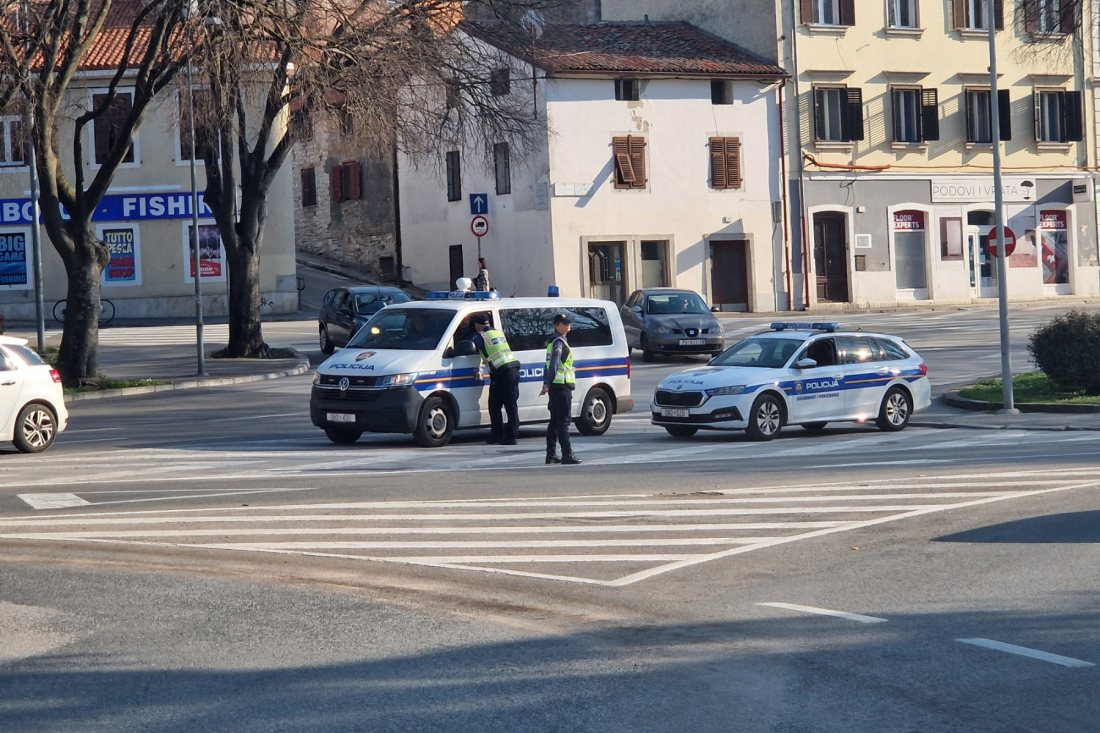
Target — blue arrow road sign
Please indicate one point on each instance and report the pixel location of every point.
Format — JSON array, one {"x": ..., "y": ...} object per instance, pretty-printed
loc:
[{"x": 479, "y": 204}]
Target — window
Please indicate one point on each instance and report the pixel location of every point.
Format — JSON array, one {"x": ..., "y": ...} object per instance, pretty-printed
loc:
[
  {"x": 500, "y": 82},
  {"x": 971, "y": 15},
  {"x": 858, "y": 350},
  {"x": 1059, "y": 116},
  {"x": 1049, "y": 17},
  {"x": 629, "y": 155},
  {"x": 910, "y": 257},
  {"x": 454, "y": 176},
  {"x": 916, "y": 115},
  {"x": 13, "y": 143},
  {"x": 721, "y": 91},
  {"x": 309, "y": 187},
  {"x": 345, "y": 181},
  {"x": 453, "y": 93},
  {"x": 951, "y": 238},
  {"x": 725, "y": 162},
  {"x": 403, "y": 328},
  {"x": 902, "y": 14},
  {"x": 626, "y": 90},
  {"x": 758, "y": 353},
  {"x": 823, "y": 351},
  {"x": 838, "y": 113},
  {"x": 828, "y": 12},
  {"x": 502, "y": 165},
  {"x": 206, "y": 136},
  {"x": 979, "y": 115},
  {"x": 891, "y": 350},
  {"x": 530, "y": 329},
  {"x": 108, "y": 129},
  {"x": 654, "y": 265}
]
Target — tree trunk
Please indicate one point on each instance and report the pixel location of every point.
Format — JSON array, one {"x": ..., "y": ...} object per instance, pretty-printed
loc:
[
  {"x": 245, "y": 337},
  {"x": 78, "y": 357}
]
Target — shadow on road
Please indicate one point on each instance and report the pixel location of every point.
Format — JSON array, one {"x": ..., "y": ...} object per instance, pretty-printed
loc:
[{"x": 1068, "y": 528}]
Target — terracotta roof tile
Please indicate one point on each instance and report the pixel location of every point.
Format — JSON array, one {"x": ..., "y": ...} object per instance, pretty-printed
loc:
[{"x": 643, "y": 48}]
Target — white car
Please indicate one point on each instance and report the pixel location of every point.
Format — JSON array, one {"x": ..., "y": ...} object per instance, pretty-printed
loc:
[
  {"x": 803, "y": 374},
  {"x": 32, "y": 401}
]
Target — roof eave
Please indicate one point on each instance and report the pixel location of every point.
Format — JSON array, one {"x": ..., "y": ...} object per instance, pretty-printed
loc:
[{"x": 604, "y": 74}]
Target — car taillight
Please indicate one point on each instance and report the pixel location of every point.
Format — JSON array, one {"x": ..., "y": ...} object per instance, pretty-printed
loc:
[
  {"x": 923, "y": 370},
  {"x": 55, "y": 376},
  {"x": 628, "y": 367}
]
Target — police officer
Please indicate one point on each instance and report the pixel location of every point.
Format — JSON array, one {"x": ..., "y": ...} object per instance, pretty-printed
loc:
[
  {"x": 504, "y": 387},
  {"x": 559, "y": 380}
]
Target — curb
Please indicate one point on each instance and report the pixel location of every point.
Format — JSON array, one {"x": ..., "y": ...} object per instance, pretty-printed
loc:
[
  {"x": 954, "y": 400},
  {"x": 301, "y": 368}
]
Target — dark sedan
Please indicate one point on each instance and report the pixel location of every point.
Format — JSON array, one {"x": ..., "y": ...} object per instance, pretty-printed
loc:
[
  {"x": 669, "y": 321},
  {"x": 345, "y": 310}
]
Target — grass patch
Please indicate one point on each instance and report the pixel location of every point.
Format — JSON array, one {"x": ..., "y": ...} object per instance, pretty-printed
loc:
[
  {"x": 1032, "y": 387},
  {"x": 98, "y": 385}
]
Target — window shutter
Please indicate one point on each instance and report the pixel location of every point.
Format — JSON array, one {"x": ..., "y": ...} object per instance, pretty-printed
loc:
[
  {"x": 637, "y": 160},
  {"x": 895, "y": 109},
  {"x": 355, "y": 180},
  {"x": 19, "y": 140},
  {"x": 1004, "y": 109},
  {"x": 624, "y": 171},
  {"x": 1067, "y": 16},
  {"x": 999, "y": 14},
  {"x": 116, "y": 119},
  {"x": 819, "y": 119},
  {"x": 1073, "y": 115},
  {"x": 1038, "y": 116},
  {"x": 733, "y": 162},
  {"x": 853, "y": 114},
  {"x": 807, "y": 7},
  {"x": 336, "y": 180},
  {"x": 958, "y": 14},
  {"x": 847, "y": 12},
  {"x": 309, "y": 187},
  {"x": 1030, "y": 9},
  {"x": 929, "y": 114},
  {"x": 718, "y": 162}
]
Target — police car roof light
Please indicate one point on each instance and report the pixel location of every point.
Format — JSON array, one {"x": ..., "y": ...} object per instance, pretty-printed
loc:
[
  {"x": 462, "y": 295},
  {"x": 784, "y": 326}
]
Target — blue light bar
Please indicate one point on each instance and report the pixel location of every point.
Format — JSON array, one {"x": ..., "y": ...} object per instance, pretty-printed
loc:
[
  {"x": 783, "y": 326},
  {"x": 462, "y": 295}
]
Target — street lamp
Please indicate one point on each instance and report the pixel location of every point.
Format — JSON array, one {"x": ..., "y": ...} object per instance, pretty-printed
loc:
[{"x": 32, "y": 167}]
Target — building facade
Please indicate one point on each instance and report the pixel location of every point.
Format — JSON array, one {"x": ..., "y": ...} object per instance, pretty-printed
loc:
[{"x": 657, "y": 164}]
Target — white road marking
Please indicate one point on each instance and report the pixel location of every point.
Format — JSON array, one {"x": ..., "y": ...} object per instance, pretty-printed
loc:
[
  {"x": 826, "y": 612},
  {"x": 299, "y": 413},
  {"x": 488, "y": 544},
  {"x": 52, "y": 501},
  {"x": 1023, "y": 651}
]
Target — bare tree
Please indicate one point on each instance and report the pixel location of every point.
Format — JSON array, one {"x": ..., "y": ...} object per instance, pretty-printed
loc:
[
  {"x": 389, "y": 72},
  {"x": 60, "y": 35}
]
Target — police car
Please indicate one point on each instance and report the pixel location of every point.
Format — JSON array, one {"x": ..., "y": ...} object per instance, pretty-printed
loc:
[{"x": 796, "y": 374}]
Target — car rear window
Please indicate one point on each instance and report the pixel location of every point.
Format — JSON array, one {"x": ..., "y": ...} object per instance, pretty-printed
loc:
[
  {"x": 25, "y": 355},
  {"x": 892, "y": 349}
]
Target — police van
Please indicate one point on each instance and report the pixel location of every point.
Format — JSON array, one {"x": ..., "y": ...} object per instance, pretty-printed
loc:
[
  {"x": 807, "y": 374},
  {"x": 412, "y": 367}
]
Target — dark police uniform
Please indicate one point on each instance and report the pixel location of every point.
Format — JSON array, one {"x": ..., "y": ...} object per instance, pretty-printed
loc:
[
  {"x": 560, "y": 380},
  {"x": 504, "y": 387}
]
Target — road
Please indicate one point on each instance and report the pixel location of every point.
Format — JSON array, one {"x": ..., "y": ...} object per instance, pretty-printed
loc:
[{"x": 207, "y": 560}]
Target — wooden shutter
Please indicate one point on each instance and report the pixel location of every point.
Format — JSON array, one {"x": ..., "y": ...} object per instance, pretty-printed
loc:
[
  {"x": 819, "y": 119},
  {"x": 336, "y": 183},
  {"x": 1004, "y": 109},
  {"x": 733, "y": 162},
  {"x": 847, "y": 12},
  {"x": 1030, "y": 9},
  {"x": 999, "y": 14},
  {"x": 624, "y": 171},
  {"x": 853, "y": 113},
  {"x": 807, "y": 8},
  {"x": 19, "y": 139},
  {"x": 929, "y": 114},
  {"x": 637, "y": 160},
  {"x": 354, "y": 187},
  {"x": 1073, "y": 116},
  {"x": 1038, "y": 116},
  {"x": 718, "y": 176},
  {"x": 959, "y": 13},
  {"x": 1067, "y": 16},
  {"x": 309, "y": 187}
]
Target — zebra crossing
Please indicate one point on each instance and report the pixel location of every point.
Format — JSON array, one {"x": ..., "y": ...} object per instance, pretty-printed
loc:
[
  {"x": 607, "y": 540},
  {"x": 162, "y": 335}
]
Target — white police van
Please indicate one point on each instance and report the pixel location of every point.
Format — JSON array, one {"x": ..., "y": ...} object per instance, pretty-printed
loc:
[
  {"x": 412, "y": 369},
  {"x": 803, "y": 374}
]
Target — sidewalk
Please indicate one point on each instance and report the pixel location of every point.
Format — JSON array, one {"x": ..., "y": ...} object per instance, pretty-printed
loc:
[{"x": 942, "y": 415}]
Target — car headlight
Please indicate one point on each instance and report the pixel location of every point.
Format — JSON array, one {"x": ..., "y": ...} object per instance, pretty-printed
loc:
[
  {"x": 317, "y": 377},
  {"x": 722, "y": 391},
  {"x": 397, "y": 380},
  {"x": 664, "y": 329}
]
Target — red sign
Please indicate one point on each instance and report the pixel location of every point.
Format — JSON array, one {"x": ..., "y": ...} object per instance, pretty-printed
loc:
[
  {"x": 1052, "y": 219},
  {"x": 910, "y": 220},
  {"x": 1009, "y": 240},
  {"x": 479, "y": 225}
]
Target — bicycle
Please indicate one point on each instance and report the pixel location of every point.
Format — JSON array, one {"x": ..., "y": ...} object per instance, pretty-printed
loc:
[{"x": 106, "y": 311}]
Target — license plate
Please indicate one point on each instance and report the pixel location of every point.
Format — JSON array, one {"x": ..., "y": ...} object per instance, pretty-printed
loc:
[
  {"x": 692, "y": 342},
  {"x": 674, "y": 412},
  {"x": 340, "y": 417}
]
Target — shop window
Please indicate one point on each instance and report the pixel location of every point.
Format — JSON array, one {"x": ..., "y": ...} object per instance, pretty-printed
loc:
[
  {"x": 979, "y": 115},
  {"x": 629, "y": 153},
  {"x": 654, "y": 264},
  {"x": 972, "y": 15},
  {"x": 828, "y": 12},
  {"x": 951, "y": 238},
  {"x": 1059, "y": 116},
  {"x": 1054, "y": 254},
  {"x": 902, "y": 14},
  {"x": 910, "y": 261},
  {"x": 838, "y": 114}
]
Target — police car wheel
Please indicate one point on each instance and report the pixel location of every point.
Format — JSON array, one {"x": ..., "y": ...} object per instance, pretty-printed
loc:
[
  {"x": 896, "y": 408},
  {"x": 595, "y": 417},
  {"x": 327, "y": 347},
  {"x": 681, "y": 431},
  {"x": 436, "y": 423},
  {"x": 766, "y": 418},
  {"x": 814, "y": 425},
  {"x": 343, "y": 436},
  {"x": 647, "y": 355}
]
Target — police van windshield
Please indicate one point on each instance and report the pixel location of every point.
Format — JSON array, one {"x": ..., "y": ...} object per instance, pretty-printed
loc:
[
  {"x": 417, "y": 329},
  {"x": 759, "y": 353}
]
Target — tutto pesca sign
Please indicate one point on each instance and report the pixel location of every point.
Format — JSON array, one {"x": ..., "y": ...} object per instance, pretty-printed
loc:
[{"x": 117, "y": 207}]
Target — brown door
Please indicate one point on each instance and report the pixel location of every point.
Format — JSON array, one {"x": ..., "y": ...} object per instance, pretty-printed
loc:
[
  {"x": 831, "y": 258},
  {"x": 730, "y": 274}
]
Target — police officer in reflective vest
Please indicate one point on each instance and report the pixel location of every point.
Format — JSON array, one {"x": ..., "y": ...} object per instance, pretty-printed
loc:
[
  {"x": 504, "y": 387},
  {"x": 559, "y": 380}
]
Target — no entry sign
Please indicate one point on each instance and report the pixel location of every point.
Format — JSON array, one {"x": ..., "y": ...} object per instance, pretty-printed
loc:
[{"x": 1009, "y": 240}]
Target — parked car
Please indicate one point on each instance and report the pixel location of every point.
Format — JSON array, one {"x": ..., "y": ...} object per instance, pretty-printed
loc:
[
  {"x": 671, "y": 321},
  {"x": 345, "y": 310},
  {"x": 32, "y": 401}
]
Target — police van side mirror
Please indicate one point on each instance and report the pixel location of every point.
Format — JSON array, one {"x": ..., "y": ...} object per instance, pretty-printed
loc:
[
  {"x": 465, "y": 348},
  {"x": 805, "y": 364}
]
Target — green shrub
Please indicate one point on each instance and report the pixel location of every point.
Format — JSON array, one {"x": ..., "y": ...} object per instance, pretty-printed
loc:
[{"x": 1068, "y": 350}]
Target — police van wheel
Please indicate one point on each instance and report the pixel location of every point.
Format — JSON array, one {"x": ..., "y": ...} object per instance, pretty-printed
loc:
[
  {"x": 343, "y": 436},
  {"x": 766, "y": 418},
  {"x": 436, "y": 423},
  {"x": 896, "y": 408},
  {"x": 681, "y": 431},
  {"x": 814, "y": 425},
  {"x": 595, "y": 417},
  {"x": 647, "y": 355},
  {"x": 327, "y": 347}
]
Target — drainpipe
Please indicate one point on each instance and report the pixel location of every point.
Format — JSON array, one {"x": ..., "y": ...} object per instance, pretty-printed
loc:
[
  {"x": 783, "y": 197},
  {"x": 399, "y": 260},
  {"x": 801, "y": 164}
]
